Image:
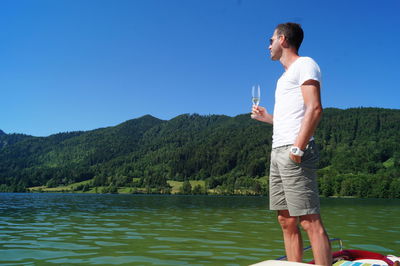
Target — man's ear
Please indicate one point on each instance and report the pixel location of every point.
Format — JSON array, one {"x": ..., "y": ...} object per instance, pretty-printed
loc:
[{"x": 283, "y": 41}]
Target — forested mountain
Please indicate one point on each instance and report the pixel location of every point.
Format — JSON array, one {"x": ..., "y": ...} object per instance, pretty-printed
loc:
[{"x": 360, "y": 154}]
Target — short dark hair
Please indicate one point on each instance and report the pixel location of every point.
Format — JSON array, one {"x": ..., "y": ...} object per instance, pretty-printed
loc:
[{"x": 293, "y": 33}]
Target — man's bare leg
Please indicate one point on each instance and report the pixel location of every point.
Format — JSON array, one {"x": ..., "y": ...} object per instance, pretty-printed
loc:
[
  {"x": 321, "y": 246},
  {"x": 291, "y": 236}
]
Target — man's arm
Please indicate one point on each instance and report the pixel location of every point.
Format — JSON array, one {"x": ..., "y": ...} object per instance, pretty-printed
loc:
[
  {"x": 260, "y": 113},
  {"x": 312, "y": 100}
]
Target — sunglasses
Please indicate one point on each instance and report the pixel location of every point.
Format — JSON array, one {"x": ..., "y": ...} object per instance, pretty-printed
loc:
[{"x": 271, "y": 41}]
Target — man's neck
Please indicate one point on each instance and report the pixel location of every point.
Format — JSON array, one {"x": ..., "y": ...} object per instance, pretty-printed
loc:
[{"x": 287, "y": 58}]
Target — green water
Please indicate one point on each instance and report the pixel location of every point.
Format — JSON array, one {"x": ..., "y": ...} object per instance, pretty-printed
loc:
[{"x": 86, "y": 229}]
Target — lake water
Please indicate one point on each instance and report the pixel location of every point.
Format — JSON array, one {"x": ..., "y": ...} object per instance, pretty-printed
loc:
[{"x": 86, "y": 229}]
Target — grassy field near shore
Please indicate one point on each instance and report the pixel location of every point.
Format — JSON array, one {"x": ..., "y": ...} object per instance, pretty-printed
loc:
[{"x": 176, "y": 188}]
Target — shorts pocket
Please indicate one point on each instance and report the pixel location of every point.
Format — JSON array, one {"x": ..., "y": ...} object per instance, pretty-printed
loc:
[{"x": 291, "y": 160}]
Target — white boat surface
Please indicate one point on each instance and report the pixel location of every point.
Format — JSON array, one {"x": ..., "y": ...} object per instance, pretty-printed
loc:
[{"x": 343, "y": 257}]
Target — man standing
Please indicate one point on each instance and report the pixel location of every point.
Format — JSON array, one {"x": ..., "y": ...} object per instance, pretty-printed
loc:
[{"x": 294, "y": 157}]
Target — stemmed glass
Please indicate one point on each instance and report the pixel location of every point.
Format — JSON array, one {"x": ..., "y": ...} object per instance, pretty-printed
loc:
[{"x": 256, "y": 94}]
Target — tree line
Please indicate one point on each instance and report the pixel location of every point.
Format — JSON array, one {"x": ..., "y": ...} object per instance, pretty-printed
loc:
[{"x": 360, "y": 155}]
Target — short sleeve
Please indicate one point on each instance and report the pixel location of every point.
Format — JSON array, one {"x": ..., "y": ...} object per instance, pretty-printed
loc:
[{"x": 309, "y": 69}]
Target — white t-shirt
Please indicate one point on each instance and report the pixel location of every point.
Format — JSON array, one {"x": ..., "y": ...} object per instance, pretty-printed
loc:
[{"x": 289, "y": 107}]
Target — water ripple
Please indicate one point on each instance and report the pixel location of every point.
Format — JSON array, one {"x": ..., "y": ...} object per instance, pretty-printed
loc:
[
  {"x": 181, "y": 239},
  {"x": 40, "y": 229}
]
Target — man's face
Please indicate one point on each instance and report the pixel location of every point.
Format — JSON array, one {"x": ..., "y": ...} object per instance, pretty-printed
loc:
[{"x": 275, "y": 48}]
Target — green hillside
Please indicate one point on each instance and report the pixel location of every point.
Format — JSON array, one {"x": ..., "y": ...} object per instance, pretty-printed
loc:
[{"x": 360, "y": 155}]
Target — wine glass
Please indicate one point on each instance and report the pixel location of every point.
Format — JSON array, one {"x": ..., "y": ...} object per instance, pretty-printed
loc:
[{"x": 256, "y": 94}]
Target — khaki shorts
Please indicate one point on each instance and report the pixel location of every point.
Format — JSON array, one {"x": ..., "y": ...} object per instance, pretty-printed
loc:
[{"x": 293, "y": 186}]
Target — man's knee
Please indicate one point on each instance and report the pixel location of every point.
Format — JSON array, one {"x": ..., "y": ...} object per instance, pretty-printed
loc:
[
  {"x": 312, "y": 224},
  {"x": 286, "y": 221}
]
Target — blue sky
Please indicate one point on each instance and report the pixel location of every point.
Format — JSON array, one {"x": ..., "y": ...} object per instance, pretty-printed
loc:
[{"x": 70, "y": 65}]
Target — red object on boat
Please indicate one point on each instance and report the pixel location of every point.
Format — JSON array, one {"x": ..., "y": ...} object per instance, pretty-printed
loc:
[
  {"x": 347, "y": 257},
  {"x": 352, "y": 254}
]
